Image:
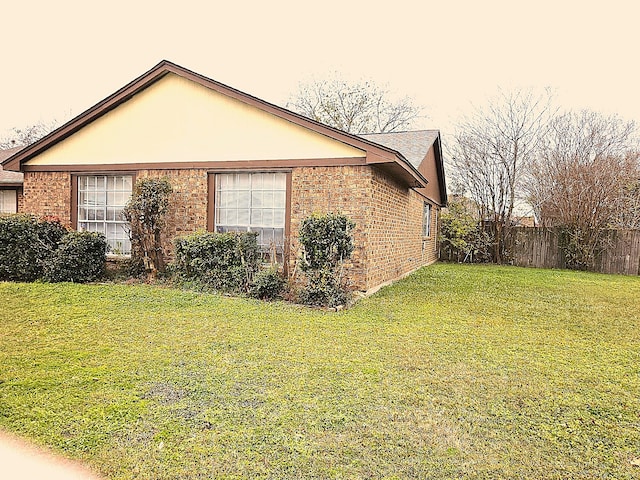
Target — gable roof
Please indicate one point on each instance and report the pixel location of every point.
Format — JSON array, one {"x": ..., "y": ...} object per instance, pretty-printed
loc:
[
  {"x": 387, "y": 158},
  {"x": 9, "y": 179},
  {"x": 414, "y": 146}
]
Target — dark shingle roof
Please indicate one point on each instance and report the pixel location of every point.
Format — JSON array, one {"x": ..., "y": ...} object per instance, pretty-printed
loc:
[
  {"x": 412, "y": 145},
  {"x": 7, "y": 177}
]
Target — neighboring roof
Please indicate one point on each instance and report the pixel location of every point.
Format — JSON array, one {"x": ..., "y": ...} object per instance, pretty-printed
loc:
[
  {"x": 412, "y": 145},
  {"x": 381, "y": 155},
  {"x": 9, "y": 179}
]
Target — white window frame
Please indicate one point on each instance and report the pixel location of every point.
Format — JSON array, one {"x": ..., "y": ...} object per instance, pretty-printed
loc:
[
  {"x": 101, "y": 199},
  {"x": 253, "y": 202}
]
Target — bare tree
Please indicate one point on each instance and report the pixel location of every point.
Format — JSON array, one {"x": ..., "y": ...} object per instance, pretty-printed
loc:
[
  {"x": 354, "y": 107},
  {"x": 582, "y": 179},
  {"x": 491, "y": 151},
  {"x": 23, "y": 136},
  {"x": 628, "y": 215}
]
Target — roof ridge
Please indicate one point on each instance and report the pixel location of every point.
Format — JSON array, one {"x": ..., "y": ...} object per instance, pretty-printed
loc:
[{"x": 403, "y": 131}]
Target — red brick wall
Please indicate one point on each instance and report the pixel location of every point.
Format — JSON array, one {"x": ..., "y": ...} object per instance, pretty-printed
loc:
[
  {"x": 20, "y": 201},
  {"x": 388, "y": 216},
  {"x": 431, "y": 243},
  {"x": 333, "y": 189},
  {"x": 48, "y": 194},
  {"x": 395, "y": 236},
  {"x": 188, "y": 207}
]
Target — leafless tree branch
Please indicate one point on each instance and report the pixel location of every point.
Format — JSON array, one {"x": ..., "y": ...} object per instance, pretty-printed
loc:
[{"x": 355, "y": 107}]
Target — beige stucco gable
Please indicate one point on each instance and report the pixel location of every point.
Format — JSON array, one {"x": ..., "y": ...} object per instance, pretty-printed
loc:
[{"x": 178, "y": 120}]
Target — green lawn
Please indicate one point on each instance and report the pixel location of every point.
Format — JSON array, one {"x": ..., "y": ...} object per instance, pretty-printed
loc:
[{"x": 454, "y": 372}]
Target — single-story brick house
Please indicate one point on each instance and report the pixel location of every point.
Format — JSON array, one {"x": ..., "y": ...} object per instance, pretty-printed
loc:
[{"x": 239, "y": 163}]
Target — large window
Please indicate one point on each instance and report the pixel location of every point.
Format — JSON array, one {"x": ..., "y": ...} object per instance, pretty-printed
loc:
[
  {"x": 8, "y": 201},
  {"x": 253, "y": 202},
  {"x": 101, "y": 199}
]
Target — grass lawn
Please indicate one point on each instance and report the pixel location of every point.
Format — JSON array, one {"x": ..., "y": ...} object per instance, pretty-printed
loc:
[{"x": 454, "y": 372}]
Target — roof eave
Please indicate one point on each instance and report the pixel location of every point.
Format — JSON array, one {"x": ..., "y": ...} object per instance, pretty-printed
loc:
[{"x": 440, "y": 171}]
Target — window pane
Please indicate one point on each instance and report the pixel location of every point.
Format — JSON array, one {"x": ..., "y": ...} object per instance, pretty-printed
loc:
[
  {"x": 243, "y": 181},
  {"x": 278, "y": 234},
  {"x": 267, "y": 217},
  {"x": 278, "y": 217},
  {"x": 221, "y": 216},
  {"x": 256, "y": 199},
  {"x": 267, "y": 181},
  {"x": 256, "y": 182},
  {"x": 222, "y": 200},
  {"x": 260, "y": 238},
  {"x": 90, "y": 198},
  {"x": 256, "y": 217},
  {"x": 232, "y": 198},
  {"x": 267, "y": 198},
  {"x": 268, "y": 237},
  {"x": 243, "y": 216},
  {"x": 244, "y": 199},
  {"x": 232, "y": 217},
  {"x": 113, "y": 214},
  {"x": 280, "y": 181}
]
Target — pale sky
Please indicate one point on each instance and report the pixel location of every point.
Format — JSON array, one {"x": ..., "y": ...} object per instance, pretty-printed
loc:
[{"x": 59, "y": 58}]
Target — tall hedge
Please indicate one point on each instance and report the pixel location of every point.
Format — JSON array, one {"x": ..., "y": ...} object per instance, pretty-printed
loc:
[
  {"x": 26, "y": 245},
  {"x": 80, "y": 258},
  {"x": 220, "y": 261},
  {"x": 42, "y": 249}
]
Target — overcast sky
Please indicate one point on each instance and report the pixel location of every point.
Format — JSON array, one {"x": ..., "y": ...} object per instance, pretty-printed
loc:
[{"x": 60, "y": 57}]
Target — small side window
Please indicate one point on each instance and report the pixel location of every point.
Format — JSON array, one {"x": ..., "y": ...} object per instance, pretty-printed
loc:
[{"x": 426, "y": 220}]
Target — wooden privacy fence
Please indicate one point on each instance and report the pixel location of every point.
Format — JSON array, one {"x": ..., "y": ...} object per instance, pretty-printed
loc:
[{"x": 539, "y": 247}]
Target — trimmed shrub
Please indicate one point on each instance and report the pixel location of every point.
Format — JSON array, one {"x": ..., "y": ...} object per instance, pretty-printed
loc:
[
  {"x": 327, "y": 242},
  {"x": 80, "y": 257},
  {"x": 27, "y": 245},
  {"x": 145, "y": 212},
  {"x": 220, "y": 261},
  {"x": 268, "y": 284},
  {"x": 324, "y": 289}
]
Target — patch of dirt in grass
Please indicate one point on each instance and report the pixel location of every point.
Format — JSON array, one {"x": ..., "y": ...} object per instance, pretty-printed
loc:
[{"x": 165, "y": 393}]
